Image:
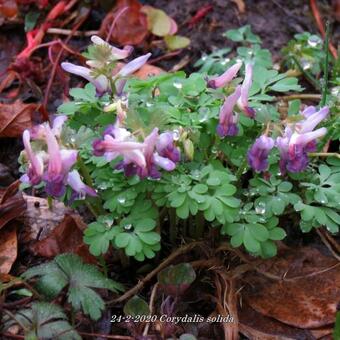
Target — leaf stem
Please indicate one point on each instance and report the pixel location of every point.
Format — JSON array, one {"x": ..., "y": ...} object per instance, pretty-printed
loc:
[
  {"x": 200, "y": 221},
  {"x": 14, "y": 318},
  {"x": 306, "y": 74},
  {"x": 96, "y": 208},
  {"x": 241, "y": 169},
  {"x": 325, "y": 67},
  {"x": 324, "y": 154},
  {"x": 172, "y": 226},
  {"x": 309, "y": 96},
  {"x": 103, "y": 264},
  {"x": 50, "y": 202}
]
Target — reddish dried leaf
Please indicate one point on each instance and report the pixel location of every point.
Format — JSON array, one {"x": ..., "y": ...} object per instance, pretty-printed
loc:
[
  {"x": 148, "y": 71},
  {"x": 336, "y": 9},
  {"x": 240, "y": 5},
  {"x": 308, "y": 295},
  {"x": 8, "y": 8},
  {"x": 144, "y": 72},
  {"x": 67, "y": 237},
  {"x": 130, "y": 27},
  {"x": 39, "y": 3},
  {"x": 12, "y": 205},
  {"x": 8, "y": 248},
  {"x": 15, "y": 118},
  {"x": 257, "y": 326}
]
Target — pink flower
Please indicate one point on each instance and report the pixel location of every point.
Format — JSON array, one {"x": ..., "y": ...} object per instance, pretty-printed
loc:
[
  {"x": 133, "y": 65},
  {"x": 79, "y": 187},
  {"x": 59, "y": 164},
  {"x": 299, "y": 139},
  {"x": 36, "y": 165},
  {"x": 258, "y": 153},
  {"x": 116, "y": 53},
  {"x": 246, "y": 85},
  {"x": 228, "y": 118},
  {"x": 142, "y": 159},
  {"x": 100, "y": 82},
  {"x": 225, "y": 78},
  {"x": 165, "y": 147},
  {"x": 116, "y": 142},
  {"x": 53, "y": 167}
]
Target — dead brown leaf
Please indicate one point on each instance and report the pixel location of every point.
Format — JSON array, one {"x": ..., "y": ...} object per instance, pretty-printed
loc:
[
  {"x": 306, "y": 296},
  {"x": 257, "y": 326},
  {"x": 147, "y": 71},
  {"x": 144, "y": 72},
  {"x": 336, "y": 9},
  {"x": 240, "y": 5},
  {"x": 15, "y": 118},
  {"x": 8, "y": 248},
  {"x": 67, "y": 237},
  {"x": 39, "y": 219},
  {"x": 12, "y": 205},
  {"x": 130, "y": 27}
]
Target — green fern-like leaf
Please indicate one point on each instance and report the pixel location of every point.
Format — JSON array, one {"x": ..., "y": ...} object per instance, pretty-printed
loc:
[
  {"x": 69, "y": 270},
  {"x": 43, "y": 321}
]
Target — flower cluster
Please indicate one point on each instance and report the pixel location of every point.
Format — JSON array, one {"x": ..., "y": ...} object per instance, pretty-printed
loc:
[
  {"x": 53, "y": 165},
  {"x": 98, "y": 74},
  {"x": 228, "y": 118},
  {"x": 297, "y": 140},
  {"x": 142, "y": 159}
]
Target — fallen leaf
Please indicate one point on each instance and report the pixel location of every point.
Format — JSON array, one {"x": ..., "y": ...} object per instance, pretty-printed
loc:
[
  {"x": 144, "y": 72},
  {"x": 67, "y": 237},
  {"x": 336, "y": 9},
  {"x": 8, "y": 248},
  {"x": 159, "y": 23},
  {"x": 39, "y": 219},
  {"x": 305, "y": 297},
  {"x": 130, "y": 27},
  {"x": 257, "y": 326},
  {"x": 147, "y": 71},
  {"x": 240, "y": 5},
  {"x": 8, "y": 9},
  {"x": 40, "y": 3},
  {"x": 12, "y": 204},
  {"x": 175, "y": 42},
  {"x": 15, "y": 118}
]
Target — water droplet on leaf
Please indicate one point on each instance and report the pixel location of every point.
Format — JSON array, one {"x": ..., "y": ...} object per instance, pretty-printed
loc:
[
  {"x": 128, "y": 227},
  {"x": 121, "y": 200},
  {"x": 260, "y": 208}
]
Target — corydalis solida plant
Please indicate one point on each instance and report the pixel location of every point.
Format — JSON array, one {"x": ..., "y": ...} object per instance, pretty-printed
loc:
[
  {"x": 176, "y": 144},
  {"x": 297, "y": 140},
  {"x": 52, "y": 164}
]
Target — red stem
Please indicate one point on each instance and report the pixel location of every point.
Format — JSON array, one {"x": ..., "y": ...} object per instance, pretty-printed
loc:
[{"x": 319, "y": 23}]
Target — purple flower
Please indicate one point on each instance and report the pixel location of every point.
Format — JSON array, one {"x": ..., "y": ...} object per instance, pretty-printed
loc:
[
  {"x": 100, "y": 82},
  {"x": 133, "y": 65},
  {"x": 59, "y": 161},
  {"x": 228, "y": 119},
  {"x": 79, "y": 187},
  {"x": 119, "y": 142},
  {"x": 165, "y": 147},
  {"x": 142, "y": 159},
  {"x": 225, "y": 78},
  {"x": 153, "y": 159},
  {"x": 39, "y": 131},
  {"x": 116, "y": 53},
  {"x": 59, "y": 164},
  {"x": 299, "y": 139},
  {"x": 258, "y": 153},
  {"x": 36, "y": 166},
  {"x": 246, "y": 85}
]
